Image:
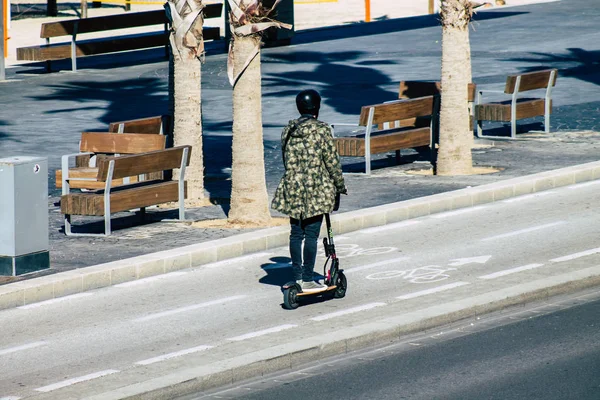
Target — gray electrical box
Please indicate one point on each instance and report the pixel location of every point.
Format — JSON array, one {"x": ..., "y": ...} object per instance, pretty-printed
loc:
[{"x": 23, "y": 215}]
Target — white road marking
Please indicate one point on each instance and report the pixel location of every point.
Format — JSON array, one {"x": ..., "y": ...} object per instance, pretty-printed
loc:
[
  {"x": 377, "y": 264},
  {"x": 173, "y": 355},
  {"x": 189, "y": 308},
  {"x": 150, "y": 279},
  {"x": 348, "y": 311},
  {"x": 457, "y": 212},
  {"x": 432, "y": 290},
  {"x": 576, "y": 255},
  {"x": 22, "y": 347},
  {"x": 73, "y": 381},
  {"x": 236, "y": 260},
  {"x": 54, "y": 301},
  {"x": 10, "y": 398},
  {"x": 582, "y": 185},
  {"x": 471, "y": 260},
  {"x": 263, "y": 332},
  {"x": 388, "y": 227},
  {"x": 527, "y": 230},
  {"x": 528, "y": 197},
  {"x": 511, "y": 271}
]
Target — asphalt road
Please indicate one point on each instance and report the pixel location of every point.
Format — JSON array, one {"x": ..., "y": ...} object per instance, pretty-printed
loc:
[
  {"x": 135, "y": 330},
  {"x": 547, "y": 355}
]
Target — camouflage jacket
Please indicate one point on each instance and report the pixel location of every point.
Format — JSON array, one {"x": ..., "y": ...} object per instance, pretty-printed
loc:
[{"x": 313, "y": 173}]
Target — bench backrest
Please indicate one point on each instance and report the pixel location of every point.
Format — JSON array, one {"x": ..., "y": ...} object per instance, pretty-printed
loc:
[
  {"x": 119, "y": 21},
  {"x": 398, "y": 110},
  {"x": 139, "y": 164},
  {"x": 414, "y": 89},
  {"x": 118, "y": 143},
  {"x": 531, "y": 81},
  {"x": 140, "y": 125}
]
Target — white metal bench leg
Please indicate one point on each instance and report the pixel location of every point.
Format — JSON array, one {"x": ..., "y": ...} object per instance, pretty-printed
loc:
[
  {"x": 548, "y": 103},
  {"x": 368, "y": 141}
]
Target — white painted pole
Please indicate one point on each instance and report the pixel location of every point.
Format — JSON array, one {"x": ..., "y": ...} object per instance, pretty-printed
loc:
[{"x": 2, "y": 41}]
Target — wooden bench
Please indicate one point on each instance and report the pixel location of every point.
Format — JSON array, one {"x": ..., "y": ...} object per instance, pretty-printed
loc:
[
  {"x": 388, "y": 136},
  {"x": 132, "y": 196},
  {"x": 74, "y": 27},
  {"x": 518, "y": 108},
  {"x": 158, "y": 124},
  {"x": 95, "y": 146}
]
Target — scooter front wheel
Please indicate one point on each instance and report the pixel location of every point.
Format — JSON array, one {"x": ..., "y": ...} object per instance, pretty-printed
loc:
[
  {"x": 290, "y": 298},
  {"x": 339, "y": 280}
]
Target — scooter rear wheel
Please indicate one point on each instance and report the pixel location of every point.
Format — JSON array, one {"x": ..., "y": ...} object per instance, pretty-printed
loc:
[
  {"x": 339, "y": 280},
  {"x": 290, "y": 298}
]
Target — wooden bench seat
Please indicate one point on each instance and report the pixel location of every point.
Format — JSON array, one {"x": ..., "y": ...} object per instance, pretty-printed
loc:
[
  {"x": 518, "y": 108},
  {"x": 387, "y": 137},
  {"x": 94, "y": 147},
  {"x": 133, "y": 195},
  {"x": 77, "y": 48}
]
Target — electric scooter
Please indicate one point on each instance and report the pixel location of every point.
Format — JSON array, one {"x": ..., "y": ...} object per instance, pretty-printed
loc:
[{"x": 335, "y": 280}]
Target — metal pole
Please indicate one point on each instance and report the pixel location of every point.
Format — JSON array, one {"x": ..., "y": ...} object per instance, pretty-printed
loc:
[
  {"x": 51, "y": 8},
  {"x": 431, "y": 8},
  {"x": 367, "y": 10},
  {"x": 3, "y": 40}
]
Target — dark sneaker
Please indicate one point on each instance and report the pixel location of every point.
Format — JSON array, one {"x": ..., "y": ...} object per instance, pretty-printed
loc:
[{"x": 312, "y": 286}]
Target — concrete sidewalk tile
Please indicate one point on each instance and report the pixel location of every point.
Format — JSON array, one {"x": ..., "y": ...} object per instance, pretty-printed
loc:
[
  {"x": 523, "y": 187},
  {"x": 349, "y": 223},
  {"x": 71, "y": 282},
  {"x": 254, "y": 244},
  {"x": 149, "y": 265},
  {"x": 277, "y": 237},
  {"x": 201, "y": 255},
  {"x": 564, "y": 179},
  {"x": 461, "y": 199},
  {"x": 543, "y": 183},
  {"x": 439, "y": 204},
  {"x": 417, "y": 210},
  {"x": 122, "y": 272},
  {"x": 38, "y": 292},
  {"x": 483, "y": 196},
  {"x": 96, "y": 280},
  {"x": 596, "y": 172},
  {"x": 373, "y": 334},
  {"x": 584, "y": 175},
  {"x": 177, "y": 259},
  {"x": 229, "y": 249},
  {"x": 395, "y": 214},
  {"x": 11, "y": 297},
  {"x": 503, "y": 192}
]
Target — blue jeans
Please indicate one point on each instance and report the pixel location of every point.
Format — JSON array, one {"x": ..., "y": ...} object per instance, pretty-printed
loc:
[{"x": 307, "y": 231}]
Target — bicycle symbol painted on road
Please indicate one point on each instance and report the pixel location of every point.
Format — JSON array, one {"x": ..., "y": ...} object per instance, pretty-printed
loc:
[
  {"x": 351, "y": 250},
  {"x": 426, "y": 274}
]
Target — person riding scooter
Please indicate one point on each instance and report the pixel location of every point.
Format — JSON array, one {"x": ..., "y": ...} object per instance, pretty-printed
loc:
[{"x": 308, "y": 188}]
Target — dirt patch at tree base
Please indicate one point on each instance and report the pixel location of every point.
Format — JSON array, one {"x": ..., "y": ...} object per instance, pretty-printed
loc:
[{"x": 226, "y": 224}]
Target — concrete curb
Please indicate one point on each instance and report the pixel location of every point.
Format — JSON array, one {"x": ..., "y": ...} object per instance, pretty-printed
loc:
[
  {"x": 108, "y": 274},
  {"x": 389, "y": 330}
]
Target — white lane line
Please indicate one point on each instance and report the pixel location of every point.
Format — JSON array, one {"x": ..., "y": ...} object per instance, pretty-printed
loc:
[
  {"x": 150, "y": 279},
  {"x": 576, "y": 255},
  {"x": 377, "y": 264},
  {"x": 263, "y": 332},
  {"x": 348, "y": 311},
  {"x": 10, "y": 398},
  {"x": 173, "y": 355},
  {"x": 22, "y": 347},
  {"x": 54, "y": 301},
  {"x": 511, "y": 271},
  {"x": 388, "y": 227},
  {"x": 189, "y": 308},
  {"x": 457, "y": 212},
  {"x": 582, "y": 185},
  {"x": 432, "y": 290},
  {"x": 527, "y": 230},
  {"x": 236, "y": 260},
  {"x": 528, "y": 197},
  {"x": 73, "y": 381}
]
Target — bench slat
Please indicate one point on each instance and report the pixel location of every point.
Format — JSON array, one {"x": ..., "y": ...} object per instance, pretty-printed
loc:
[
  {"x": 140, "y": 125},
  {"x": 384, "y": 142},
  {"x": 501, "y": 111},
  {"x": 120, "y": 21},
  {"x": 61, "y": 51},
  {"x": 121, "y": 200},
  {"x": 398, "y": 110},
  {"x": 530, "y": 81},
  {"x": 138, "y": 164},
  {"x": 131, "y": 143}
]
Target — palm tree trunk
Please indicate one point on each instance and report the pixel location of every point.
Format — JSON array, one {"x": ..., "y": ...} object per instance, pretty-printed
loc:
[
  {"x": 249, "y": 200},
  {"x": 187, "y": 119},
  {"x": 454, "y": 156}
]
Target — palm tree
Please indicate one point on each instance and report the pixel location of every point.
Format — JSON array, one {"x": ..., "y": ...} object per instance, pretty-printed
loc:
[
  {"x": 187, "y": 53},
  {"x": 249, "y": 199},
  {"x": 456, "y": 138}
]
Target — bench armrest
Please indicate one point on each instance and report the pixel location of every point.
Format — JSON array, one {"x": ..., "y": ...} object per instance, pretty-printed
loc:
[{"x": 65, "y": 168}]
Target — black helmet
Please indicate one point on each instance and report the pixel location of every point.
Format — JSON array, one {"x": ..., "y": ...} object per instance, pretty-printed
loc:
[{"x": 308, "y": 102}]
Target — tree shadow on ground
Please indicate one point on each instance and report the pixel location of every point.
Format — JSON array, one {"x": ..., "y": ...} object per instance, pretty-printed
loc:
[
  {"x": 4, "y": 136},
  {"x": 279, "y": 272},
  {"x": 580, "y": 64},
  {"x": 336, "y": 76}
]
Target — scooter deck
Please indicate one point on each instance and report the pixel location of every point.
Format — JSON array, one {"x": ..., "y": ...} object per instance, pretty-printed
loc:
[{"x": 327, "y": 289}]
